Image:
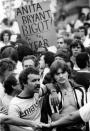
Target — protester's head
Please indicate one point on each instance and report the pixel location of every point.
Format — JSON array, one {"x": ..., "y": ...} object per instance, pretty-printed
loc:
[
  {"x": 59, "y": 71},
  {"x": 5, "y": 35},
  {"x": 87, "y": 26},
  {"x": 77, "y": 36},
  {"x": 9, "y": 52},
  {"x": 62, "y": 54},
  {"x": 82, "y": 16},
  {"x": 82, "y": 31},
  {"x": 6, "y": 68},
  {"x": 88, "y": 16},
  {"x": 23, "y": 51},
  {"x": 46, "y": 59},
  {"x": 61, "y": 42},
  {"x": 28, "y": 61},
  {"x": 10, "y": 84},
  {"x": 20, "y": 41},
  {"x": 29, "y": 78},
  {"x": 7, "y": 22},
  {"x": 41, "y": 50},
  {"x": 76, "y": 47},
  {"x": 82, "y": 60}
]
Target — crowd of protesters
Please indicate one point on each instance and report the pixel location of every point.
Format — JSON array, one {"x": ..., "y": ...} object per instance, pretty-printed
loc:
[{"x": 40, "y": 89}]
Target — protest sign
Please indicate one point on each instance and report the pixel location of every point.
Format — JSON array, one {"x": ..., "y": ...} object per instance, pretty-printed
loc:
[{"x": 36, "y": 25}]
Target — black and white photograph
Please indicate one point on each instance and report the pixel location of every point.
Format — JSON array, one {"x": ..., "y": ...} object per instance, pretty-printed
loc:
[{"x": 44, "y": 65}]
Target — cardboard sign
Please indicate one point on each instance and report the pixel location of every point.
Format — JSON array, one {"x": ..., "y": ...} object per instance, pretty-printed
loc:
[{"x": 36, "y": 25}]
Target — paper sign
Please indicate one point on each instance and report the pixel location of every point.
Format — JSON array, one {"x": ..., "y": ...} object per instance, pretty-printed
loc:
[{"x": 36, "y": 25}]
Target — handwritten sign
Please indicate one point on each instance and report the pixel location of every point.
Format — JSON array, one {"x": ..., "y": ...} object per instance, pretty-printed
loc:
[{"x": 36, "y": 25}]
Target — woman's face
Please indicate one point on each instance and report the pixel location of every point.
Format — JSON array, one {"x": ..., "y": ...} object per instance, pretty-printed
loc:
[
  {"x": 60, "y": 76},
  {"x": 6, "y": 37},
  {"x": 76, "y": 50}
]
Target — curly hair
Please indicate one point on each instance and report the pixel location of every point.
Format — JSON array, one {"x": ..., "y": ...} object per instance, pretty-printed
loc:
[
  {"x": 5, "y": 32},
  {"x": 74, "y": 43},
  {"x": 23, "y": 77}
]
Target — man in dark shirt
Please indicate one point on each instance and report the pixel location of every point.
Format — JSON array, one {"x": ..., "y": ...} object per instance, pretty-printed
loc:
[{"x": 82, "y": 76}]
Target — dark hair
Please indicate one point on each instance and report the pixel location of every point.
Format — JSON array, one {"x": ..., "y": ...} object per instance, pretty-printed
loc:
[
  {"x": 83, "y": 28},
  {"x": 75, "y": 43},
  {"x": 6, "y": 64},
  {"x": 49, "y": 58},
  {"x": 64, "y": 54},
  {"x": 23, "y": 51},
  {"x": 58, "y": 64},
  {"x": 81, "y": 14},
  {"x": 21, "y": 41},
  {"x": 4, "y": 32},
  {"x": 9, "y": 52},
  {"x": 8, "y": 83},
  {"x": 7, "y": 22},
  {"x": 23, "y": 77},
  {"x": 87, "y": 25},
  {"x": 88, "y": 16},
  {"x": 82, "y": 59}
]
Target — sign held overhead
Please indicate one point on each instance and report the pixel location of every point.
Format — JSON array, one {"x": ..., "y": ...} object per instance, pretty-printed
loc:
[{"x": 36, "y": 25}]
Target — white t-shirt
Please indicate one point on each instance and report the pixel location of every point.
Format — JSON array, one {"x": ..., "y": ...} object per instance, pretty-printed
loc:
[
  {"x": 26, "y": 108},
  {"x": 85, "y": 112},
  {"x": 6, "y": 100}
]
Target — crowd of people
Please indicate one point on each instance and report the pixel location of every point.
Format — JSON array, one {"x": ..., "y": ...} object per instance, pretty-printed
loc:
[{"x": 43, "y": 89}]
